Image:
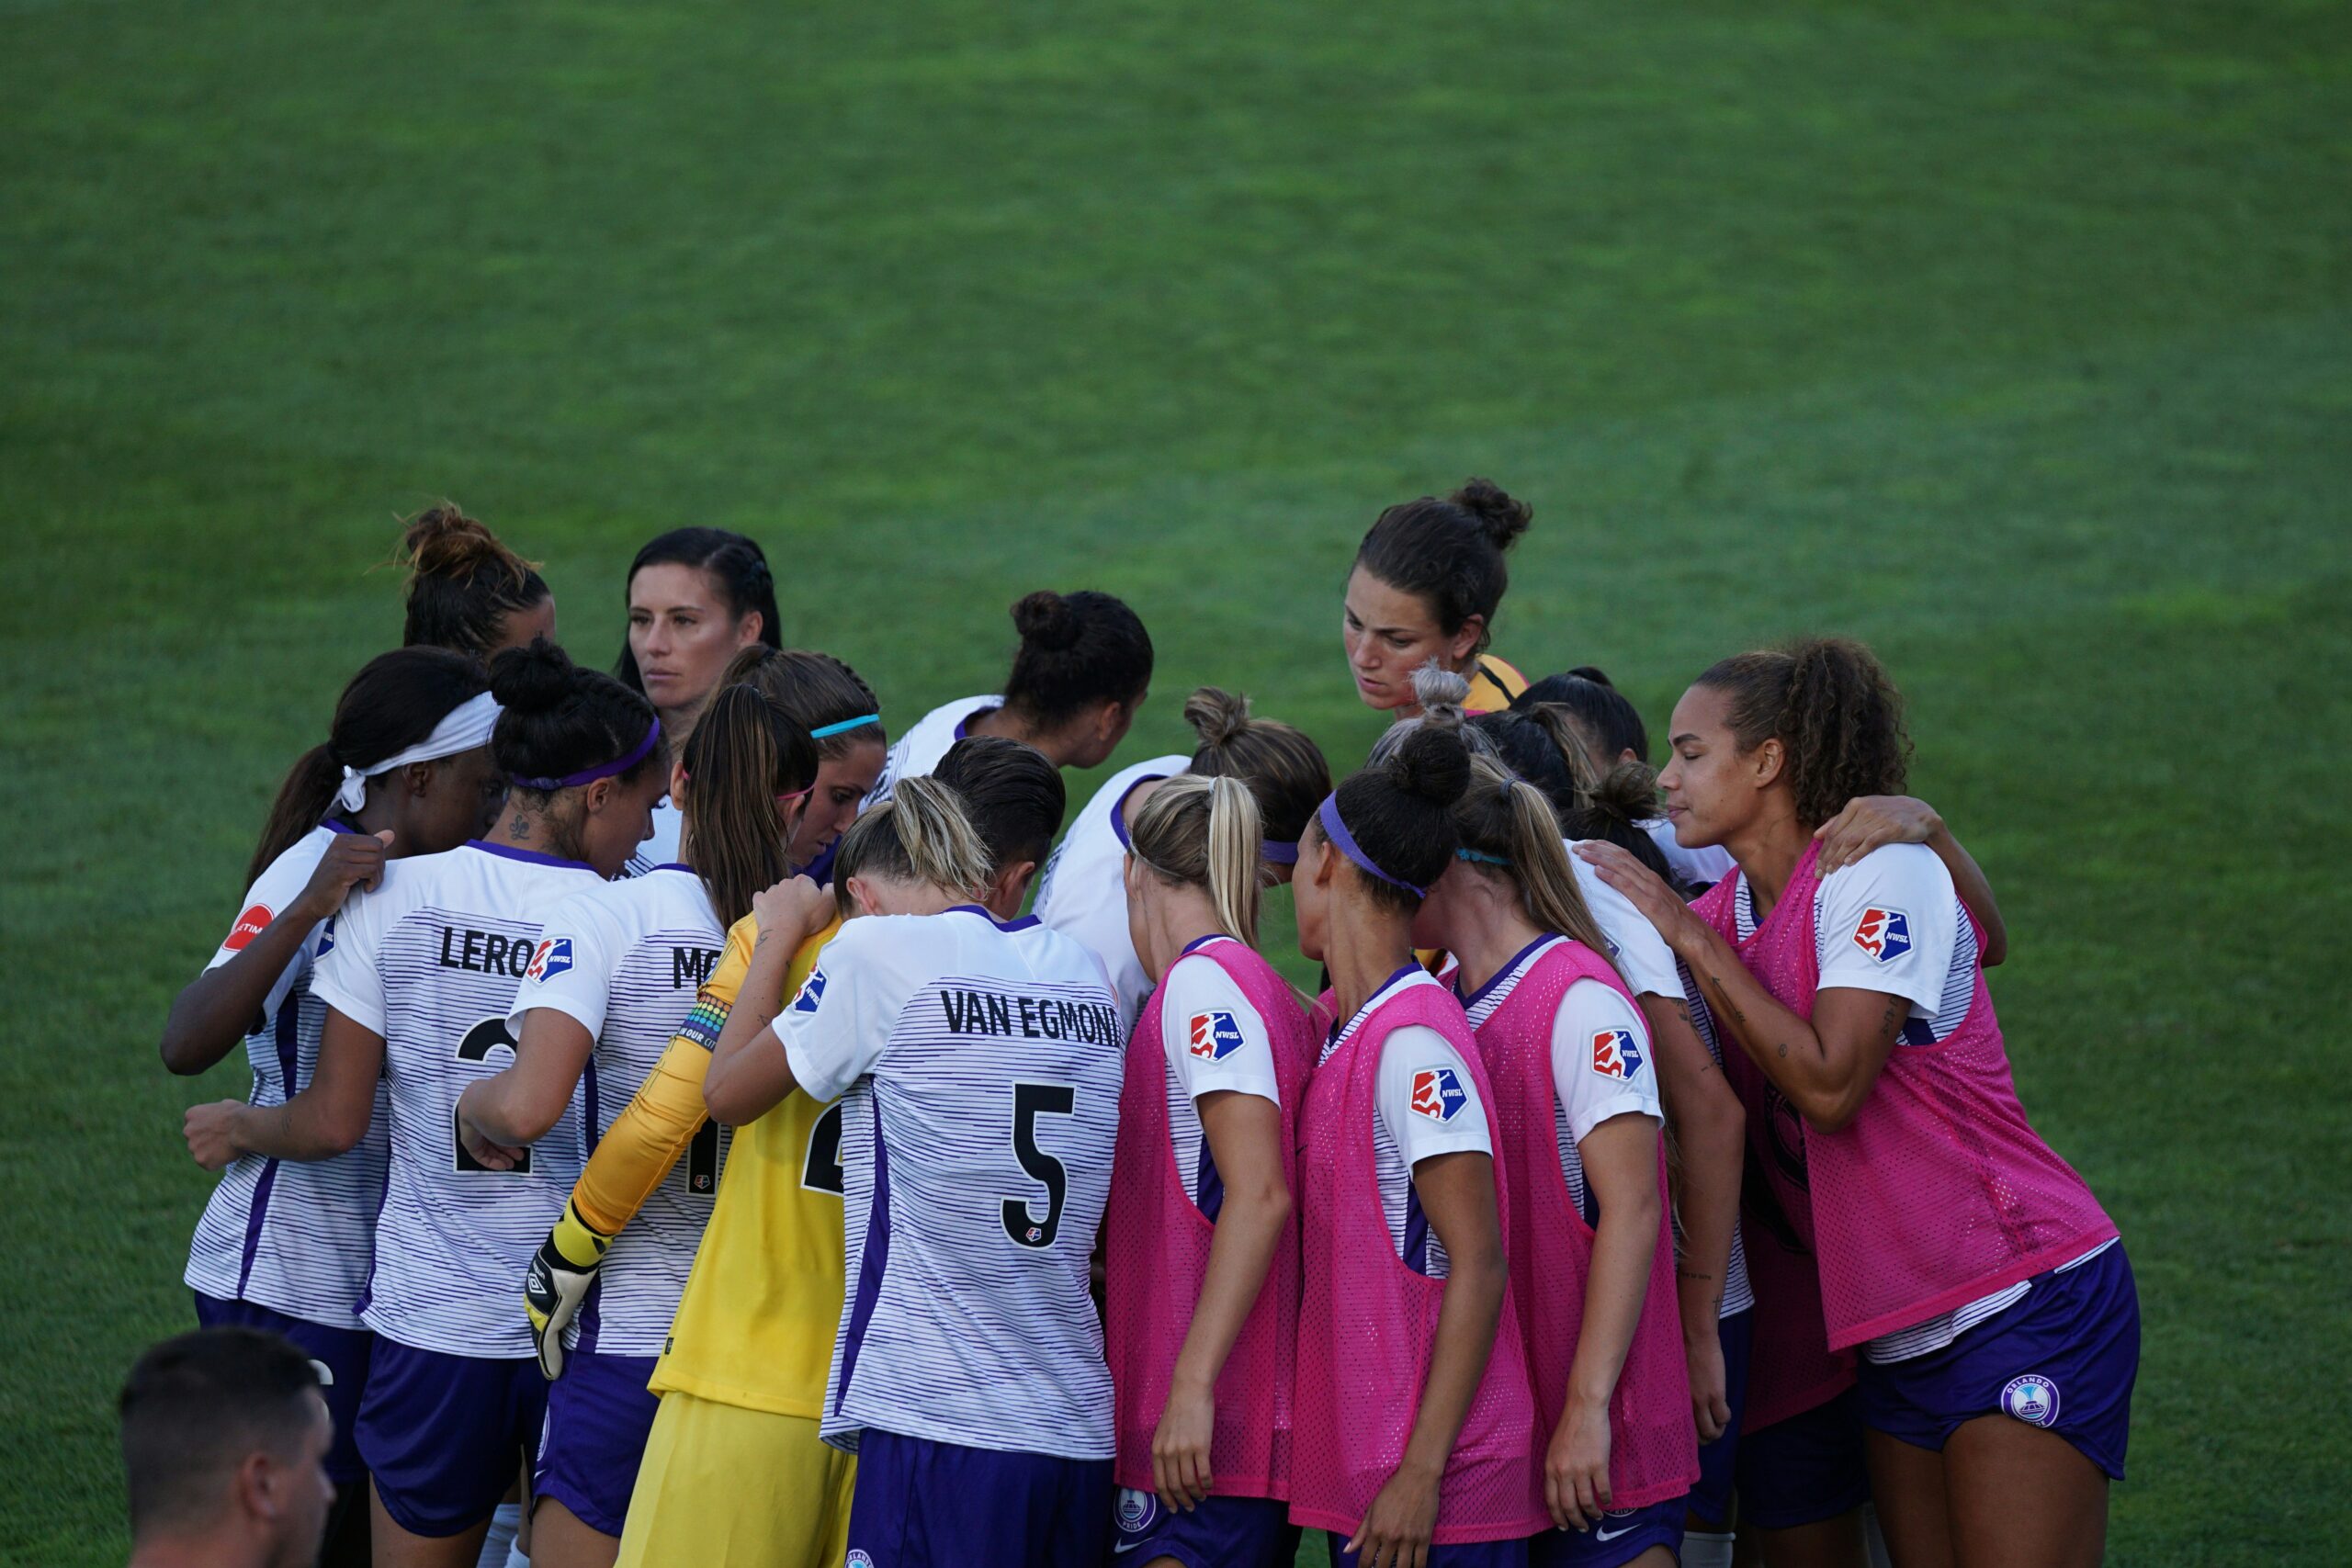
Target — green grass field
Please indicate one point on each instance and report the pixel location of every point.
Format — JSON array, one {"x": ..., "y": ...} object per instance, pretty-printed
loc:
[{"x": 2015, "y": 338}]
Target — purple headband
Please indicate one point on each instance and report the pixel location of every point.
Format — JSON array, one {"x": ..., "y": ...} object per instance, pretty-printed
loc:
[
  {"x": 1281, "y": 852},
  {"x": 621, "y": 764},
  {"x": 1336, "y": 831}
]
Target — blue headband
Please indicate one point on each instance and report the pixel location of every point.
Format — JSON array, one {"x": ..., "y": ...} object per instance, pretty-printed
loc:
[
  {"x": 1345, "y": 842},
  {"x": 620, "y": 764},
  {"x": 1281, "y": 852},
  {"x": 1480, "y": 856},
  {"x": 859, "y": 722}
]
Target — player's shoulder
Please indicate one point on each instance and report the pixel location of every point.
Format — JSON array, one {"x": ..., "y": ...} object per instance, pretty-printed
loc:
[{"x": 1891, "y": 870}]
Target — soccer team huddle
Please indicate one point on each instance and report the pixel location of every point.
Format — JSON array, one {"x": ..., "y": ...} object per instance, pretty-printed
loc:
[{"x": 665, "y": 1121}]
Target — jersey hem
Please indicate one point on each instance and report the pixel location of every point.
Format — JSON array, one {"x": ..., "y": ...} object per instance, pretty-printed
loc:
[
  {"x": 1444, "y": 1535},
  {"x": 850, "y": 1427},
  {"x": 347, "y": 1322},
  {"x": 670, "y": 1381},
  {"x": 1762, "y": 1416},
  {"x": 526, "y": 1354},
  {"x": 1913, "y": 1313}
]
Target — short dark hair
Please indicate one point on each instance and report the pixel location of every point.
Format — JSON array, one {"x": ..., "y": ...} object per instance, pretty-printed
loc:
[
  {"x": 195, "y": 1405},
  {"x": 1604, "y": 715},
  {"x": 1015, "y": 796}
]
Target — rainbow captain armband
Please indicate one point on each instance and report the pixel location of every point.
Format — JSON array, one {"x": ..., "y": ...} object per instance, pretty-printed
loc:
[{"x": 558, "y": 1282}]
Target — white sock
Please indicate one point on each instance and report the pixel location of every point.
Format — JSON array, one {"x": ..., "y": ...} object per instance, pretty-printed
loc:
[
  {"x": 1874, "y": 1539},
  {"x": 1705, "y": 1549},
  {"x": 503, "y": 1523}
]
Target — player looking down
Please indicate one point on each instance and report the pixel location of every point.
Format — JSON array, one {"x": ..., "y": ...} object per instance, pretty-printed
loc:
[{"x": 1427, "y": 581}]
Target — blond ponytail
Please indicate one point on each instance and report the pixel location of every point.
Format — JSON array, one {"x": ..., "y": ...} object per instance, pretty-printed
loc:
[
  {"x": 920, "y": 834},
  {"x": 1197, "y": 832}
]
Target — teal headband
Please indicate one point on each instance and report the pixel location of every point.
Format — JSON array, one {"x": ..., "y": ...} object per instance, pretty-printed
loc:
[
  {"x": 862, "y": 720},
  {"x": 1481, "y": 857}
]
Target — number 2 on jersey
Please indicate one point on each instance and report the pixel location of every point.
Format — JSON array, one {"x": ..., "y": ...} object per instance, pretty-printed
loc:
[
  {"x": 1031, "y": 1101},
  {"x": 479, "y": 1042}
]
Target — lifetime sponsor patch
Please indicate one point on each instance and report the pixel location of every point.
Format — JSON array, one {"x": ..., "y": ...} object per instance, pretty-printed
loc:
[
  {"x": 1885, "y": 934},
  {"x": 1615, "y": 1055},
  {"x": 1215, "y": 1035},
  {"x": 2032, "y": 1399},
  {"x": 250, "y": 924},
  {"x": 1438, "y": 1093},
  {"x": 552, "y": 957},
  {"x": 811, "y": 992}
]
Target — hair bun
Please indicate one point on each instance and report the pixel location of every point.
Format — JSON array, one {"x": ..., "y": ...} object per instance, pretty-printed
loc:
[
  {"x": 442, "y": 541},
  {"x": 531, "y": 680},
  {"x": 1432, "y": 764},
  {"x": 1597, "y": 677},
  {"x": 1628, "y": 793},
  {"x": 1046, "y": 619},
  {"x": 1441, "y": 693},
  {"x": 1216, "y": 715},
  {"x": 1503, "y": 519}
]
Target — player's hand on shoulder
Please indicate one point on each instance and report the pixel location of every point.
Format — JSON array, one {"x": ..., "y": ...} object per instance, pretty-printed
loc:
[
  {"x": 1872, "y": 822},
  {"x": 211, "y": 1131},
  {"x": 354, "y": 860},
  {"x": 793, "y": 910},
  {"x": 1643, "y": 888}
]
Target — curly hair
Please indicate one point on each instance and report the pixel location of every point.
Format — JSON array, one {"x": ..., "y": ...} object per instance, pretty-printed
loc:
[{"x": 1831, "y": 705}]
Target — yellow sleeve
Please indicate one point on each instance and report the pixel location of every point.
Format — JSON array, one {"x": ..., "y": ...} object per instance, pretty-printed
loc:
[{"x": 645, "y": 1141}]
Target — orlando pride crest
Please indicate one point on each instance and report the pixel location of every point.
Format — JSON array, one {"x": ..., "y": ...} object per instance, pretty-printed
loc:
[{"x": 1885, "y": 934}]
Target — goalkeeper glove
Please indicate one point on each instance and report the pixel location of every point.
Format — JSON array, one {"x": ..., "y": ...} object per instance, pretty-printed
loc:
[{"x": 558, "y": 1282}]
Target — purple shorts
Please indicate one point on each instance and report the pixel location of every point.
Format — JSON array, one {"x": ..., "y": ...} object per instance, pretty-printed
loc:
[
  {"x": 599, "y": 1413},
  {"x": 919, "y": 1503},
  {"x": 1805, "y": 1468},
  {"x": 1619, "y": 1538},
  {"x": 446, "y": 1436},
  {"x": 1470, "y": 1554},
  {"x": 1710, "y": 1497},
  {"x": 2064, "y": 1358},
  {"x": 1242, "y": 1532},
  {"x": 342, "y": 1351}
]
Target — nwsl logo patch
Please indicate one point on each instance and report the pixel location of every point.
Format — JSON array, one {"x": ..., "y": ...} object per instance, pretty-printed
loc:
[
  {"x": 1614, "y": 1054},
  {"x": 1215, "y": 1035},
  {"x": 554, "y": 958},
  {"x": 1885, "y": 934},
  {"x": 811, "y": 992},
  {"x": 1438, "y": 1094}
]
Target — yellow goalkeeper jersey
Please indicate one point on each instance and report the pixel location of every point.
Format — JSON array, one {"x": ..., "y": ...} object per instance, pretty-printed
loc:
[{"x": 1493, "y": 684}]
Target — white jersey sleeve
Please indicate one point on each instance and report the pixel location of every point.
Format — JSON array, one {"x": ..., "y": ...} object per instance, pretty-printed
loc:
[
  {"x": 838, "y": 1023},
  {"x": 1412, "y": 1111},
  {"x": 347, "y": 976},
  {"x": 1213, "y": 1038},
  {"x": 1704, "y": 867},
  {"x": 1600, "y": 1060},
  {"x": 1886, "y": 923},
  {"x": 582, "y": 930},
  {"x": 1641, "y": 954},
  {"x": 280, "y": 883}
]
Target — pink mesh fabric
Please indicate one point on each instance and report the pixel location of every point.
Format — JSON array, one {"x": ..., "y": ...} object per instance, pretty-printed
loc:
[
  {"x": 1368, "y": 1323},
  {"x": 1156, "y": 1253},
  {"x": 1939, "y": 1190},
  {"x": 1654, "y": 1448},
  {"x": 1791, "y": 1369}
]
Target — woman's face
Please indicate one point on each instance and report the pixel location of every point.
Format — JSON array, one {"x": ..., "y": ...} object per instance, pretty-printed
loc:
[
  {"x": 462, "y": 799},
  {"x": 1388, "y": 633},
  {"x": 619, "y": 816},
  {"x": 1310, "y": 892},
  {"x": 682, "y": 634},
  {"x": 517, "y": 628},
  {"x": 842, "y": 783},
  {"x": 1712, "y": 790}
]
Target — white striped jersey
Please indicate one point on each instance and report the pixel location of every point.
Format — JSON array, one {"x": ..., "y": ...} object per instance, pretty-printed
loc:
[
  {"x": 978, "y": 1066},
  {"x": 429, "y": 961},
  {"x": 1739, "y": 1295},
  {"x": 1893, "y": 922},
  {"x": 1083, "y": 893},
  {"x": 293, "y": 1237},
  {"x": 1589, "y": 1087},
  {"x": 1640, "y": 954},
  {"x": 639, "y": 951},
  {"x": 918, "y": 752},
  {"x": 662, "y": 848},
  {"x": 1405, "y": 1131},
  {"x": 1702, "y": 867}
]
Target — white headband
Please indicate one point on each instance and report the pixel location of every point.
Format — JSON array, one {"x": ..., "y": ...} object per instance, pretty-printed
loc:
[{"x": 462, "y": 729}]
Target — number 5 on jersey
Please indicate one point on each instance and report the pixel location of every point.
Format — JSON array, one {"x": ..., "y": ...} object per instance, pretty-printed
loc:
[{"x": 1031, "y": 1101}]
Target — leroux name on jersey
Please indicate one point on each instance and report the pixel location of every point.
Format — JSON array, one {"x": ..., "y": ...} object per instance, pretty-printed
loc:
[{"x": 487, "y": 953}]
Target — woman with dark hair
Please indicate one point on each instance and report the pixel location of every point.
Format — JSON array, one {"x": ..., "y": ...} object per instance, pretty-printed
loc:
[
  {"x": 1083, "y": 669},
  {"x": 639, "y": 951},
  {"x": 405, "y": 771},
  {"x": 1412, "y": 1420},
  {"x": 419, "y": 986},
  {"x": 1015, "y": 799},
  {"x": 1966, "y": 1265},
  {"x": 1426, "y": 584},
  {"x": 466, "y": 591},
  {"x": 826, "y": 698},
  {"x": 695, "y": 596},
  {"x": 1083, "y": 892}
]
